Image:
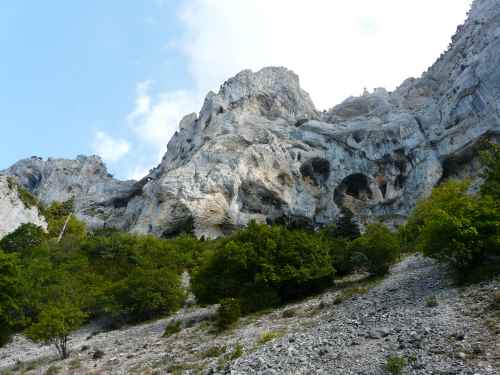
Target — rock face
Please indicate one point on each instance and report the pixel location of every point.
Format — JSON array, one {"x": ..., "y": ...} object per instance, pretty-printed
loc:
[
  {"x": 259, "y": 150},
  {"x": 14, "y": 211},
  {"x": 98, "y": 196}
]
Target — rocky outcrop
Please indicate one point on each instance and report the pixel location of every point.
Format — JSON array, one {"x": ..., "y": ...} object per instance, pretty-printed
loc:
[
  {"x": 99, "y": 198},
  {"x": 260, "y": 150},
  {"x": 14, "y": 211}
]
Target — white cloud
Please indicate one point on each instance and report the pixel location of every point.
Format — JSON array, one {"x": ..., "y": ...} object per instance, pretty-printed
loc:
[
  {"x": 137, "y": 172},
  {"x": 336, "y": 47},
  {"x": 143, "y": 101},
  {"x": 110, "y": 149},
  {"x": 155, "y": 119}
]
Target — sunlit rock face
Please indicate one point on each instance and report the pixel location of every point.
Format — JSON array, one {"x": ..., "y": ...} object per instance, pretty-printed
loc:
[
  {"x": 260, "y": 150},
  {"x": 13, "y": 212}
]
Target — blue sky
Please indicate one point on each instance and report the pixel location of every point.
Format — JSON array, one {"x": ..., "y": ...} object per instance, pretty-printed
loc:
[
  {"x": 114, "y": 77},
  {"x": 70, "y": 68}
]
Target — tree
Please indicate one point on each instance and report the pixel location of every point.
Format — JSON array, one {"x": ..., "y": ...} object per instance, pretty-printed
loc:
[
  {"x": 147, "y": 294},
  {"x": 264, "y": 265},
  {"x": 229, "y": 312},
  {"x": 9, "y": 295},
  {"x": 23, "y": 240},
  {"x": 379, "y": 246},
  {"x": 56, "y": 322},
  {"x": 456, "y": 227},
  {"x": 491, "y": 161},
  {"x": 346, "y": 227},
  {"x": 59, "y": 216}
]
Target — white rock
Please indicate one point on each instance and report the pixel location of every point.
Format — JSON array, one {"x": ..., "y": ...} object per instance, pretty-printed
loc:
[{"x": 13, "y": 211}]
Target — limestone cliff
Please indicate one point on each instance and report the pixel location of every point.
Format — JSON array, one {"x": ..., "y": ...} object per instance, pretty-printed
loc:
[
  {"x": 14, "y": 211},
  {"x": 260, "y": 150}
]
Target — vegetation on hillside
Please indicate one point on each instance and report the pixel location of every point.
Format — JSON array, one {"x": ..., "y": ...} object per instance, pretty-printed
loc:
[
  {"x": 457, "y": 227},
  {"x": 48, "y": 288}
]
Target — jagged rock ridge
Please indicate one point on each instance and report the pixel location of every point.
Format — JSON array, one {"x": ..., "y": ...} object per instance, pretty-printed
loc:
[{"x": 260, "y": 150}]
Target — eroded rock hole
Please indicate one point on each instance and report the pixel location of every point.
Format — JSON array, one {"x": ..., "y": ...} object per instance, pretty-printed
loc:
[
  {"x": 356, "y": 186},
  {"x": 181, "y": 226},
  {"x": 317, "y": 170},
  {"x": 301, "y": 122},
  {"x": 358, "y": 137},
  {"x": 399, "y": 182},
  {"x": 256, "y": 198}
]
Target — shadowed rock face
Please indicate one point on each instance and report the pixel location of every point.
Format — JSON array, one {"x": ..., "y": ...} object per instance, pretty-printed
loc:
[{"x": 259, "y": 150}]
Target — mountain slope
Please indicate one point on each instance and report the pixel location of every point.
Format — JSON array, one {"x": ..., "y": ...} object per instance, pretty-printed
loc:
[{"x": 317, "y": 336}]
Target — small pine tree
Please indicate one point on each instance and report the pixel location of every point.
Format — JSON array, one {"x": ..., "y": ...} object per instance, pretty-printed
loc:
[
  {"x": 346, "y": 227},
  {"x": 229, "y": 313}
]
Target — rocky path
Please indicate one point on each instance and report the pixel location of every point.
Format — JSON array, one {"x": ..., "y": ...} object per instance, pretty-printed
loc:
[{"x": 395, "y": 318}]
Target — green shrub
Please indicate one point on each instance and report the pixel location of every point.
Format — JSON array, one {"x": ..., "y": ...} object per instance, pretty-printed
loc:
[
  {"x": 147, "y": 293},
  {"x": 52, "y": 370},
  {"x": 172, "y": 328},
  {"x": 431, "y": 301},
  {"x": 379, "y": 246},
  {"x": 395, "y": 364},
  {"x": 289, "y": 313},
  {"x": 28, "y": 199},
  {"x": 491, "y": 162},
  {"x": 455, "y": 227},
  {"x": 262, "y": 260},
  {"x": 214, "y": 351},
  {"x": 228, "y": 314},
  {"x": 55, "y": 324},
  {"x": 237, "y": 352},
  {"x": 74, "y": 364},
  {"x": 58, "y": 210},
  {"x": 268, "y": 336},
  {"x": 346, "y": 226},
  {"x": 10, "y": 295},
  {"x": 459, "y": 228},
  {"x": 57, "y": 214},
  {"x": 257, "y": 299},
  {"x": 119, "y": 276},
  {"x": 23, "y": 240}
]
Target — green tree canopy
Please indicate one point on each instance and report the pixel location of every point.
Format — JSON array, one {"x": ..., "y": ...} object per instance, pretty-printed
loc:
[
  {"x": 264, "y": 264},
  {"x": 23, "y": 240},
  {"x": 380, "y": 247},
  {"x": 9, "y": 295}
]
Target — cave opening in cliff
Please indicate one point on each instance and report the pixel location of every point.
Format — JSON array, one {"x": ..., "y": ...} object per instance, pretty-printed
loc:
[
  {"x": 356, "y": 186},
  {"x": 254, "y": 197},
  {"x": 316, "y": 170}
]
